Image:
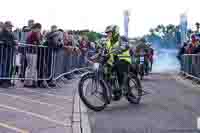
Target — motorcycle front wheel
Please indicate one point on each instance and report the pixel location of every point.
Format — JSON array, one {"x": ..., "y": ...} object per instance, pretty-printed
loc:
[{"x": 98, "y": 92}]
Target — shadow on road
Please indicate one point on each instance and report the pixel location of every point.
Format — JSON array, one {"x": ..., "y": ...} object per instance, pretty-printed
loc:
[
  {"x": 121, "y": 107},
  {"x": 148, "y": 79}
]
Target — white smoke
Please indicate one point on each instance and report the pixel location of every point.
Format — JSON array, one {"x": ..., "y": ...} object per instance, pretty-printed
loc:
[{"x": 165, "y": 61}]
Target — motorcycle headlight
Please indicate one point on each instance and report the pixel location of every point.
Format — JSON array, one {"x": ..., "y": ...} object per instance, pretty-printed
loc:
[{"x": 96, "y": 66}]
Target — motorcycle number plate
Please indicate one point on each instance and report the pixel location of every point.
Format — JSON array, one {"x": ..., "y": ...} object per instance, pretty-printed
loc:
[{"x": 141, "y": 59}]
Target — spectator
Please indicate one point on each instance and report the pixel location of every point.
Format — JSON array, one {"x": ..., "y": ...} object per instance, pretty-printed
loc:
[
  {"x": 8, "y": 43},
  {"x": 190, "y": 49},
  {"x": 55, "y": 37},
  {"x": 30, "y": 23},
  {"x": 51, "y": 35},
  {"x": 26, "y": 30},
  {"x": 54, "y": 28},
  {"x": 1, "y": 26},
  {"x": 44, "y": 34},
  {"x": 69, "y": 45},
  {"x": 83, "y": 49},
  {"x": 35, "y": 35},
  {"x": 182, "y": 51},
  {"x": 23, "y": 39},
  {"x": 83, "y": 46},
  {"x": 33, "y": 56},
  {"x": 54, "y": 41},
  {"x": 91, "y": 49},
  {"x": 192, "y": 46},
  {"x": 69, "y": 50},
  {"x": 197, "y": 49},
  {"x": 17, "y": 33},
  {"x": 151, "y": 54}
]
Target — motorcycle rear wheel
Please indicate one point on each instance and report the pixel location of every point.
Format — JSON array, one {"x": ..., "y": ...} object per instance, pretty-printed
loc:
[{"x": 134, "y": 92}]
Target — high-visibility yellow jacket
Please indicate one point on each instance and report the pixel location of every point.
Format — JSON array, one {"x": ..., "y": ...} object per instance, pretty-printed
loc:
[{"x": 123, "y": 56}]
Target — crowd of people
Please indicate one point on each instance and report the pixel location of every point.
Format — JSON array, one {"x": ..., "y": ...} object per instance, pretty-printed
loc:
[
  {"x": 192, "y": 46},
  {"x": 34, "y": 55},
  {"x": 30, "y": 51}
]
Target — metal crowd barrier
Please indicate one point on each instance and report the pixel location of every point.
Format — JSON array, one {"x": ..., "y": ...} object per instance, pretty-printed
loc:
[
  {"x": 26, "y": 61},
  {"x": 31, "y": 62},
  {"x": 190, "y": 65},
  {"x": 66, "y": 63}
]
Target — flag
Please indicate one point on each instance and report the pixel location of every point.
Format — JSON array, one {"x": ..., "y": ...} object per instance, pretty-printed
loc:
[{"x": 126, "y": 22}]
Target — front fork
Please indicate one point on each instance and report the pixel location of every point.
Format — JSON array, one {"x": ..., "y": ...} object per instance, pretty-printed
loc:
[
  {"x": 113, "y": 82},
  {"x": 108, "y": 92},
  {"x": 124, "y": 86}
]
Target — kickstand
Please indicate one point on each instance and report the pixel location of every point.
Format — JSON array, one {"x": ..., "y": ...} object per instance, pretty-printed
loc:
[{"x": 144, "y": 92}]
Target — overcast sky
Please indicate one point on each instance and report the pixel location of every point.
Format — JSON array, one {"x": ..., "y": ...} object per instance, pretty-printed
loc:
[{"x": 97, "y": 14}]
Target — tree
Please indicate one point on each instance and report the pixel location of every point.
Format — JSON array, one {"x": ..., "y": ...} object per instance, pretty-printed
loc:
[
  {"x": 151, "y": 31},
  {"x": 197, "y": 26},
  {"x": 93, "y": 36},
  {"x": 163, "y": 36}
]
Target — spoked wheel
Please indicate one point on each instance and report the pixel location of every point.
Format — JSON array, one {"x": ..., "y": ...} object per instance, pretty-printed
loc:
[
  {"x": 92, "y": 92},
  {"x": 134, "y": 89}
]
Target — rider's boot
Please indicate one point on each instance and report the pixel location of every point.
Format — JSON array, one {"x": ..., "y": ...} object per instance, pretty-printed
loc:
[{"x": 117, "y": 94}]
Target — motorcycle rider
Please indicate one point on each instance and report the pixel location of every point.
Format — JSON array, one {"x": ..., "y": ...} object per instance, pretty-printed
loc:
[
  {"x": 122, "y": 56},
  {"x": 120, "y": 60}
]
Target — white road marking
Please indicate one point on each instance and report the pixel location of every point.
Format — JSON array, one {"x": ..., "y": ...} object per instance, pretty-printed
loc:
[
  {"x": 13, "y": 128},
  {"x": 69, "y": 98},
  {"x": 35, "y": 115},
  {"x": 33, "y": 101}
]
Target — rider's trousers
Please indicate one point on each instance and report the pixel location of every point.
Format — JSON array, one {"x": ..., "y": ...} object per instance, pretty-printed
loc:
[{"x": 122, "y": 69}]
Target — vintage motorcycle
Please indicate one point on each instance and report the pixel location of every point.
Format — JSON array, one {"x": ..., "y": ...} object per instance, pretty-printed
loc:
[{"x": 102, "y": 85}]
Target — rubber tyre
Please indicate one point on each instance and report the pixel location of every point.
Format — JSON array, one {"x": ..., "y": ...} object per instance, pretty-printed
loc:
[
  {"x": 138, "y": 86},
  {"x": 84, "y": 99}
]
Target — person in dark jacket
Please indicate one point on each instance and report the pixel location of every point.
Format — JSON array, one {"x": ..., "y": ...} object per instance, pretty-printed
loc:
[
  {"x": 1, "y": 26},
  {"x": 84, "y": 45},
  {"x": 33, "y": 55},
  {"x": 52, "y": 42},
  {"x": 8, "y": 43},
  {"x": 182, "y": 51},
  {"x": 196, "y": 50}
]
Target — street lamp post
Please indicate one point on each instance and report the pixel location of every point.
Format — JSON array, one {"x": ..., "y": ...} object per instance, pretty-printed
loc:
[
  {"x": 126, "y": 22},
  {"x": 183, "y": 27}
]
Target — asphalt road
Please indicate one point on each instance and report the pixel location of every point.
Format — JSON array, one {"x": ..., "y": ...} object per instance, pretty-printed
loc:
[
  {"x": 26, "y": 110},
  {"x": 170, "y": 106}
]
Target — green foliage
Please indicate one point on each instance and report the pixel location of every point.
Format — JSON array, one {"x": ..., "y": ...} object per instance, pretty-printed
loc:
[
  {"x": 93, "y": 36},
  {"x": 164, "y": 36}
]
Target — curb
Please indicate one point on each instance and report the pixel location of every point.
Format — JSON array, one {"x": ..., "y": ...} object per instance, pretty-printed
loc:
[
  {"x": 85, "y": 124},
  {"x": 76, "y": 116},
  {"x": 80, "y": 120},
  {"x": 189, "y": 75},
  {"x": 187, "y": 82}
]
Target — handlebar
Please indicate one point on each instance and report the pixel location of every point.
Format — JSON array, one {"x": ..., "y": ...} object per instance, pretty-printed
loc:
[{"x": 102, "y": 55}]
